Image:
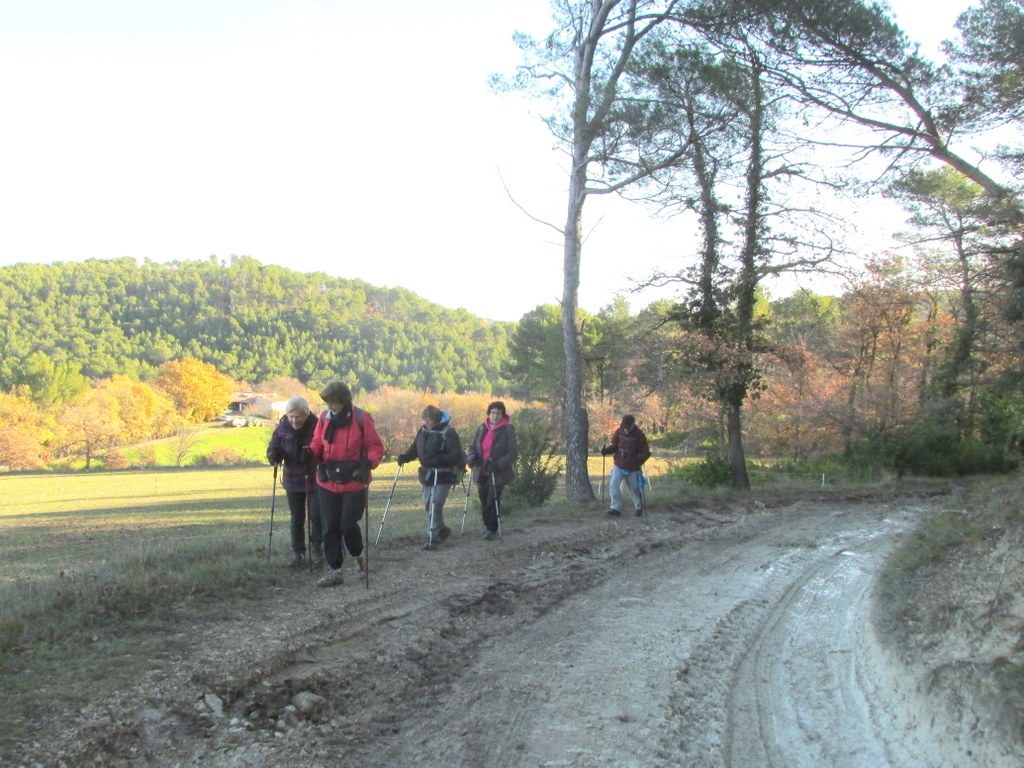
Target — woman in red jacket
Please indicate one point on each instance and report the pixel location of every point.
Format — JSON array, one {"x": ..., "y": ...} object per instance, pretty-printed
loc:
[{"x": 346, "y": 447}]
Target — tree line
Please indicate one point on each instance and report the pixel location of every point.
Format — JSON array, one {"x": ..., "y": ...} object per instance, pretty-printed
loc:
[
  {"x": 67, "y": 324},
  {"x": 723, "y": 112},
  {"x": 880, "y": 374}
]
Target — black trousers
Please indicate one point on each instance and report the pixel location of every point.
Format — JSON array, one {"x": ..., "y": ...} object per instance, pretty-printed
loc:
[
  {"x": 341, "y": 513},
  {"x": 297, "y": 507},
  {"x": 490, "y": 500}
]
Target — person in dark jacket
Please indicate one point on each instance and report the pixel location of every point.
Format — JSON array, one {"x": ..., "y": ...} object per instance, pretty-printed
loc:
[
  {"x": 345, "y": 447},
  {"x": 492, "y": 457},
  {"x": 287, "y": 443},
  {"x": 629, "y": 445},
  {"x": 442, "y": 462}
]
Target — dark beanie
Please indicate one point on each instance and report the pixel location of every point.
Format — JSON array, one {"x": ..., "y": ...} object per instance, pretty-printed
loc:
[{"x": 627, "y": 422}]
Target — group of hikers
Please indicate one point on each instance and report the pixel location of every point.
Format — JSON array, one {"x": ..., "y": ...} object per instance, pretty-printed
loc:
[{"x": 326, "y": 464}]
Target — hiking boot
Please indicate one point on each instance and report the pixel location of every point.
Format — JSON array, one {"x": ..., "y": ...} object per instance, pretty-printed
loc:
[
  {"x": 638, "y": 512},
  {"x": 444, "y": 534},
  {"x": 430, "y": 546},
  {"x": 296, "y": 562},
  {"x": 614, "y": 512},
  {"x": 361, "y": 562},
  {"x": 490, "y": 535},
  {"x": 332, "y": 578}
]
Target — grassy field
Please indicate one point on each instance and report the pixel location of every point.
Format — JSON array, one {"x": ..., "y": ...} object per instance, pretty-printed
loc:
[
  {"x": 76, "y": 522},
  {"x": 75, "y": 544},
  {"x": 112, "y": 562}
]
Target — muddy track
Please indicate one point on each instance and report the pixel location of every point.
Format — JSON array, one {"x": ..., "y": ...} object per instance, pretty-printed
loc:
[{"x": 698, "y": 637}]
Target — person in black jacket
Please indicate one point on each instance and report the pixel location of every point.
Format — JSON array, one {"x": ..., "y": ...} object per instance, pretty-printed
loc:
[
  {"x": 493, "y": 459},
  {"x": 629, "y": 445},
  {"x": 289, "y": 446},
  {"x": 442, "y": 462}
]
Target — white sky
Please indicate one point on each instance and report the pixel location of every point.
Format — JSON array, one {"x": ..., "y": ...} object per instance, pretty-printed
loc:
[{"x": 356, "y": 138}]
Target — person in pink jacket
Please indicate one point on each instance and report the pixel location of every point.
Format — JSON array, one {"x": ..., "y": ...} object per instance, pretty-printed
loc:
[{"x": 345, "y": 447}]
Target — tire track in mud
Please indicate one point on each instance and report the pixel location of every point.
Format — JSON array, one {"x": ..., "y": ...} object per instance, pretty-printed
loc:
[{"x": 799, "y": 683}]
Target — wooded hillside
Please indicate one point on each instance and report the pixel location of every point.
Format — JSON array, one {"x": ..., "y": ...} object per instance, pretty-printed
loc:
[{"x": 253, "y": 322}]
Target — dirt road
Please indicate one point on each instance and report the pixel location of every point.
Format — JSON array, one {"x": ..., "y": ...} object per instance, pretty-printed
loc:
[{"x": 700, "y": 636}]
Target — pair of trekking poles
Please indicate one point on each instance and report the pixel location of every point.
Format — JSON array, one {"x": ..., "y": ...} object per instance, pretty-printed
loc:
[
  {"x": 387, "y": 506},
  {"x": 309, "y": 527},
  {"x": 642, "y": 483},
  {"x": 465, "y": 509}
]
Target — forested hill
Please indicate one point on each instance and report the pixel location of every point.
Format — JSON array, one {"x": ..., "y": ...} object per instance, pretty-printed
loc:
[{"x": 254, "y": 322}]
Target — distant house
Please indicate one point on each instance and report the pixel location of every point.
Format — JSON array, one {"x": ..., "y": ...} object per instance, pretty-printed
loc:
[{"x": 256, "y": 404}]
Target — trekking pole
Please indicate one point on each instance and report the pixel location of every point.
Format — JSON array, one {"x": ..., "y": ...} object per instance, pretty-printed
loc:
[
  {"x": 309, "y": 528},
  {"x": 433, "y": 494},
  {"x": 497, "y": 506},
  {"x": 465, "y": 509},
  {"x": 643, "y": 493},
  {"x": 388, "y": 505},
  {"x": 273, "y": 501},
  {"x": 603, "y": 457},
  {"x": 366, "y": 536}
]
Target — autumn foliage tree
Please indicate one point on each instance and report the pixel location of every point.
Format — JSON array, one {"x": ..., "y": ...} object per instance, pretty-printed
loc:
[
  {"x": 141, "y": 411},
  {"x": 25, "y": 438},
  {"x": 91, "y": 425},
  {"x": 199, "y": 391}
]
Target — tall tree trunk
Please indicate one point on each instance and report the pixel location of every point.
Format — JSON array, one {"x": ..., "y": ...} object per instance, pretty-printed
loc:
[
  {"x": 962, "y": 354},
  {"x": 737, "y": 460},
  {"x": 577, "y": 424}
]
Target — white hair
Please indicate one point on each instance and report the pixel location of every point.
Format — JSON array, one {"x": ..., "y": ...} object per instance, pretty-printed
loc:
[{"x": 296, "y": 405}]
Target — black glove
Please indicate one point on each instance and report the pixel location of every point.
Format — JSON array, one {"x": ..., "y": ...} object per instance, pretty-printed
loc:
[
  {"x": 275, "y": 456},
  {"x": 402, "y": 461},
  {"x": 607, "y": 450},
  {"x": 307, "y": 455},
  {"x": 362, "y": 472}
]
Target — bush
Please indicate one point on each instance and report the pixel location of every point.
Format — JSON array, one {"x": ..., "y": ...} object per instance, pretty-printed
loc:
[
  {"x": 539, "y": 465},
  {"x": 934, "y": 450},
  {"x": 713, "y": 471},
  {"x": 146, "y": 458},
  {"x": 220, "y": 457},
  {"x": 670, "y": 441},
  {"x": 115, "y": 460}
]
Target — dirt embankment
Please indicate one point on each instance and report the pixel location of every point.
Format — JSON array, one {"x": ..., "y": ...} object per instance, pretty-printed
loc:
[{"x": 698, "y": 636}]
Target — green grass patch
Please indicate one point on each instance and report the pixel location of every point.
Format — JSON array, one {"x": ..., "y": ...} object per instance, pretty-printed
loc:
[{"x": 245, "y": 444}]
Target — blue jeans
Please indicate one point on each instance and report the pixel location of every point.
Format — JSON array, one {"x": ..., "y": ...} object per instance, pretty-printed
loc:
[{"x": 632, "y": 483}]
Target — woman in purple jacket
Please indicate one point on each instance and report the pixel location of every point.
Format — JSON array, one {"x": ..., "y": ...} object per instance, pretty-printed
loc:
[{"x": 289, "y": 446}]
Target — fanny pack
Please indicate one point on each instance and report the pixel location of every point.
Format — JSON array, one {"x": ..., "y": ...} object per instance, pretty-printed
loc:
[{"x": 339, "y": 472}]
